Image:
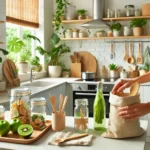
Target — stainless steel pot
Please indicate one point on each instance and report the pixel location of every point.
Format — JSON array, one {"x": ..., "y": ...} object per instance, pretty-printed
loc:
[{"x": 88, "y": 75}]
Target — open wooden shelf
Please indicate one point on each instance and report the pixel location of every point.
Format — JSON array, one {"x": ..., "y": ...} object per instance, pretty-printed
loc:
[
  {"x": 125, "y": 18},
  {"x": 109, "y": 38},
  {"x": 74, "y": 21}
]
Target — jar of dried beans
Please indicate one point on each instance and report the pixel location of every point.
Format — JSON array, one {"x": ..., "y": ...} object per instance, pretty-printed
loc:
[{"x": 20, "y": 104}]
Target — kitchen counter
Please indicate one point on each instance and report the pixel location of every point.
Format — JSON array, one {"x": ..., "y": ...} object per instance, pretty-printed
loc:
[{"x": 99, "y": 143}]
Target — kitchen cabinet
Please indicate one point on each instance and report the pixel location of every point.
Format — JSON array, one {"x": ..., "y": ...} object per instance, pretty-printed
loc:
[{"x": 55, "y": 91}]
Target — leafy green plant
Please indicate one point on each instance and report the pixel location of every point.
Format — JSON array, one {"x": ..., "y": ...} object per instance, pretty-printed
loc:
[
  {"x": 57, "y": 50},
  {"x": 113, "y": 66},
  {"x": 115, "y": 26},
  {"x": 145, "y": 67},
  {"x": 4, "y": 53},
  {"x": 34, "y": 61},
  {"x": 60, "y": 7},
  {"x": 81, "y": 12},
  {"x": 138, "y": 22}
]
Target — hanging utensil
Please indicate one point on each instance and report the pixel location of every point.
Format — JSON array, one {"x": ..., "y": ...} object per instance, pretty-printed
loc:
[
  {"x": 130, "y": 59},
  {"x": 111, "y": 51},
  {"x": 139, "y": 59},
  {"x": 126, "y": 56}
]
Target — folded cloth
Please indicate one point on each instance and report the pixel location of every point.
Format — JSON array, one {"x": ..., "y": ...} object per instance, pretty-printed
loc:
[{"x": 85, "y": 141}]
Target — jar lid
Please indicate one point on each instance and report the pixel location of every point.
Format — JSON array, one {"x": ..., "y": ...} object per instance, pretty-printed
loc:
[
  {"x": 81, "y": 101},
  {"x": 19, "y": 92},
  {"x": 2, "y": 109},
  {"x": 75, "y": 30},
  {"x": 38, "y": 101},
  {"x": 129, "y": 6}
]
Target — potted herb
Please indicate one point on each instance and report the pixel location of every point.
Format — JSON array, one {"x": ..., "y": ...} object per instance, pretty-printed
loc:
[
  {"x": 53, "y": 56},
  {"x": 137, "y": 25},
  {"x": 81, "y": 14},
  {"x": 4, "y": 53},
  {"x": 116, "y": 28},
  {"x": 100, "y": 33},
  {"x": 35, "y": 61},
  {"x": 113, "y": 70},
  {"x": 144, "y": 69}
]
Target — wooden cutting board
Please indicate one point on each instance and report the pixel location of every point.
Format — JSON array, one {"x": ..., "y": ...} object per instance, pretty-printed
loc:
[
  {"x": 88, "y": 62},
  {"x": 9, "y": 69}
]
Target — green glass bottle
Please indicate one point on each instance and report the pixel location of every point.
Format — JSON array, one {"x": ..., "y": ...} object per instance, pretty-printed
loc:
[{"x": 99, "y": 110}]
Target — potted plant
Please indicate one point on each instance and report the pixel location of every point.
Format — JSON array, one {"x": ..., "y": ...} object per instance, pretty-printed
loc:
[
  {"x": 35, "y": 61},
  {"x": 137, "y": 25},
  {"x": 53, "y": 56},
  {"x": 4, "y": 53},
  {"x": 144, "y": 69},
  {"x": 65, "y": 71},
  {"x": 113, "y": 70},
  {"x": 100, "y": 33},
  {"x": 116, "y": 28},
  {"x": 81, "y": 14}
]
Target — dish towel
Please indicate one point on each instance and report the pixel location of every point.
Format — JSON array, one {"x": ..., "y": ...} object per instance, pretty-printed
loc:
[{"x": 85, "y": 141}]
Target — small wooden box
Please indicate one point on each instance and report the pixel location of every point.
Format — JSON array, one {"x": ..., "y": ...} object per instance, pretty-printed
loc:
[{"x": 75, "y": 70}]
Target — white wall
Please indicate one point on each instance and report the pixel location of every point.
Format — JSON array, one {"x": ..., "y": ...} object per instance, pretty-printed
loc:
[
  {"x": 2, "y": 32},
  {"x": 100, "y": 48}
]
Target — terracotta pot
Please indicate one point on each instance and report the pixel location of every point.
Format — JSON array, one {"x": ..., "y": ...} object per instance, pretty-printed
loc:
[{"x": 137, "y": 31}]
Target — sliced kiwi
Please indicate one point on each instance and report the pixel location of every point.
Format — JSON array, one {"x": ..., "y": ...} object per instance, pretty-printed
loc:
[{"x": 25, "y": 130}]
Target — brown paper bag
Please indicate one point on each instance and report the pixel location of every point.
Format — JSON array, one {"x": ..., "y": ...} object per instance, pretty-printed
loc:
[{"x": 119, "y": 127}]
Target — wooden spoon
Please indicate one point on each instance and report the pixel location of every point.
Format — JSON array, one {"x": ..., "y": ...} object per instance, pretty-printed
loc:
[
  {"x": 126, "y": 53},
  {"x": 130, "y": 59},
  {"x": 134, "y": 89},
  {"x": 61, "y": 140},
  {"x": 53, "y": 103},
  {"x": 64, "y": 104}
]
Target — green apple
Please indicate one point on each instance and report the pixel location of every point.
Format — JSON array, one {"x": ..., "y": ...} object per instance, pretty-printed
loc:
[
  {"x": 4, "y": 127},
  {"x": 14, "y": 124}
]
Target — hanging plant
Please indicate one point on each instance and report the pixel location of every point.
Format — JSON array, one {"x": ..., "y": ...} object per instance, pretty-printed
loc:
[{"x": 60, "y": 8}]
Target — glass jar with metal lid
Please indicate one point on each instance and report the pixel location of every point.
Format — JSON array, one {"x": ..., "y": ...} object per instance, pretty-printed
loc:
[
  {"x": 129, "y": 10},
  {"x": 81, "y": 114},
  {"x": 38, "y": 116},
  {"x": 20, "y": 104}
]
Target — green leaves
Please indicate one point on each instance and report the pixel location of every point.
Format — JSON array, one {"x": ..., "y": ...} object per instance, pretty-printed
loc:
[
  {"x": 15, "y": 45},
  {"x": 115, "y": 26},
  {"x": 35, "y": 61},
  {"x": 113, "y": 67},
  {"x": 81, "y": 11},
  {"x": 55, "y": 39},
  {"x": 138, "y": 22},
  {"x": 4, "y": 53},
  {"x": 33, "y": 37}
]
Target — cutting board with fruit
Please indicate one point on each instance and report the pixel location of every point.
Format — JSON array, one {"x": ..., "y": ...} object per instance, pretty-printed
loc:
[{"x": 26, "y": 134}]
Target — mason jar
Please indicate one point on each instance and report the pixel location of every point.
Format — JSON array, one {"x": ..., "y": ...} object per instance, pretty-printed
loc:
[
  {"x": 110, "y": 13},
  {"x": 137, "y": 12},
  {"x": 20, "y": 104},
  {"x": 38, "y": 113},
  {"x": 81, "y": 114}
]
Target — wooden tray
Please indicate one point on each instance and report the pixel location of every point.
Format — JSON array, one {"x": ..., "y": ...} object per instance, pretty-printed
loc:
[{"x": 15, "y": 138}]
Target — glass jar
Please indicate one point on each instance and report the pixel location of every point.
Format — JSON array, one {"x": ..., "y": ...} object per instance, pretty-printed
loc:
[
  {"x": 117, "y": 13},
  {"x": 2, "y": 112},
  {"x": 70, "y": 12},
  {"x": 110, "y": 13},
  {"x": 81, "y": 114},
  {"x": 20, "y": 104},
  {"x": 129, "y": 10},
  {"x": 99, "y": 110},
  {"x": 75, "y": 33},
  {"x": 38, "y": 113},
  {"x": 109, "y": 33},
  {"x": 137, "y": 12},
  {"x": 68, "y": 33}
]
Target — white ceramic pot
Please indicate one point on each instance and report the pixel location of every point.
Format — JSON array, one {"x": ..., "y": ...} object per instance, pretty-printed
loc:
[
  {"x": 126, "y": 31},
  {"x": 23, "y": 67},
  {"x": 123, "y": 74},
  {"x": 114, "y": 74},
  {"x": 54, "y": 71},
  {"x": 116, "y": 33}
]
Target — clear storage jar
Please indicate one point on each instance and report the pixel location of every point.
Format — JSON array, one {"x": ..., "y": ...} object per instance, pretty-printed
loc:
[
  {"x": 68, "y": 33},
  {"x": 38, "y": 113},
  {"x": 20, "y": 104},
  {"x": 110, "y": 13},
  {"x": 81, "y": 114},
  {"x": 129, "y": 10}
]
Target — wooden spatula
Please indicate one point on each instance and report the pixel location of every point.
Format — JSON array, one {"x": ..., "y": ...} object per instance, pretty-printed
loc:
[
  {"x": 126, "y": 53},
  {"x": 53, "y": 103},
  {"x": 134, "y": 89},
  {"x": 139, "y": 59},
  {"x": 61, "y": 140}
]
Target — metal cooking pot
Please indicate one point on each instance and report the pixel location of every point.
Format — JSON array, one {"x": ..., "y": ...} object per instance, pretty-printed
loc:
[{"x": 88, "y": 75}]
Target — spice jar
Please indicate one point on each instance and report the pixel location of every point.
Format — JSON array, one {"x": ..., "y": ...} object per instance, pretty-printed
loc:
[
  {"x": 81, "y": 114},
  {"x": 109, "y": 33},
  {"x": 75, "y": 33},
  {"x": 38, "y": 113},
  {"x": 110, "y": 13},
  {"x": 68, "y": 33},
  {"x": 129, "y": 10},
  {"x": 137, "y": 12},
  {"x": 81, "y": 34},
  {"x": 117, "y": 13},
  {"x": 20, "y": 104},
  {"x": 2, "y": 112}
]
